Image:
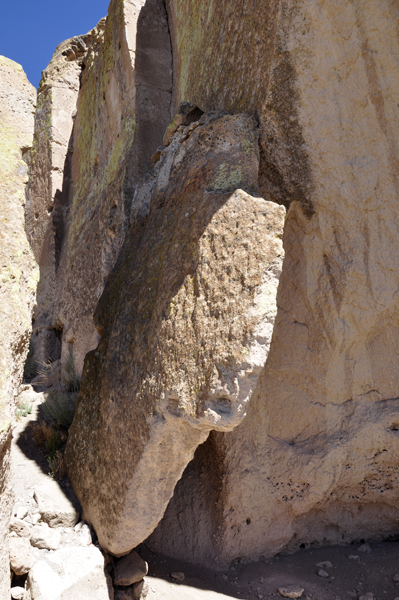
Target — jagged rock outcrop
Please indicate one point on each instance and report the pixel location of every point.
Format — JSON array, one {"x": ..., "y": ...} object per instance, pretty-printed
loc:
[
  {"x": 19, "y": 273},
  {"x": 185, "y": 323},
  {"x": 315, "y": 459}
]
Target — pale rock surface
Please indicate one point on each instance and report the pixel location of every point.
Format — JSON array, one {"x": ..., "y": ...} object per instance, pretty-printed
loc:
[
  {"x": 18, "y": 593},
  {"x": 20, "y": 527},
  {"x": 19, "y": 274},
  {"x": 291, "y": 591},
  {"x": 54, "y": 506},
  {"x": 185, "y": 320},
  {"x": 130, "y": 569},
  {"x": 21, "y": 559},
  {"x": 315, "y": 460},
  {"x": 72, "y": 573},
  {"x": 45, "y": 538}
]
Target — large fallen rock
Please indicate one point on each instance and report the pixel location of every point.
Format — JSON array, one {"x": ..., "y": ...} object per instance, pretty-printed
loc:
[
  {"x": 71, "y": 574},
  {"x": 315, "y": 461},
  {"x": 19, "y": 274},
  {"x": 185, "y": 322}
]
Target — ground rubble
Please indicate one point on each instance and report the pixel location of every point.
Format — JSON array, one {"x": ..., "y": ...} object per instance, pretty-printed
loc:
[{"x": 55, "y": 555}]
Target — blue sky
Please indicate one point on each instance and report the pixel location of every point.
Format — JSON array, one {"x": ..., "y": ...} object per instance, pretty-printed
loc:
[{"x": 30, "y": 30}]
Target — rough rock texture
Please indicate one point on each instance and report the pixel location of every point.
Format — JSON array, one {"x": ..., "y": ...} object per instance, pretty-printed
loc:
[
  {"x": 18, "y": 270},
  {"x": 71, "y": 574},
  {"x": 315, "y": 460},
  {"x": 20, "y": 555},
  {"x": 92, "y": 146},
  {"x": 185, "y": 322},
  {"x": 47, "y": 207},
  {"x": 130, "y": 569},
  {"x": 55, "y": 507}
]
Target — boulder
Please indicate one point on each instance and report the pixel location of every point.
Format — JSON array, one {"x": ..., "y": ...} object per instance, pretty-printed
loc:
[
  {"x": 130, "y": 569},
  {"x": 45, "y": 538},
  {"x": 185, "y": 320},
  {"x": 21, "y": 528},
  {"x": 72, "y": 573},
  {"x": 19, "y": 593},
  {"x": 55, "y": 507},
  {"x": 21, "y": 559}
]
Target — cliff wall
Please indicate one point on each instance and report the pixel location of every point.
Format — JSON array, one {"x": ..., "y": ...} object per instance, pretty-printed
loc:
[
  {"x": 19, "y": 273},
  {"x": 314, "y": 461}
]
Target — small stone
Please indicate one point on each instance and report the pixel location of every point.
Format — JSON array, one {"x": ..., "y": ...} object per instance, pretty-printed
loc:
[
  {"x": 18, "y": 593},
  {"x": 45, "y": 538},
  {"x": 21, "y": 528},
  {"x": 368, "y": 596},
  {"x": 323, "y": 573},
  {"x": 395, "y": 578},
  {"x": 353, "y": 556},
  {"x": 364, "y": 548},
  {"x": 178, "y": 576},
  {"x": 20, "y": 555},
  {"x": 137, "y": 591},
  {"x": 20, "y": 511},
  {"x": 291, "y": 591},
  {"x": 54, "y": 506},
  {"x": 324, "y": 565},
  {"x": 224, "y": 576},
  {"x": 130, "y": 569}
]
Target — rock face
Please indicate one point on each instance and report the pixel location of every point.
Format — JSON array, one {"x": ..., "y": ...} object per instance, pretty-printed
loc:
[
  {"x": 95, "y": 133},
  {"x": 19, "y": 273},
  {"x": 185, "y": 322},
  {"x": 299, "y": 106},
  {"x": 315, "y": 459}
]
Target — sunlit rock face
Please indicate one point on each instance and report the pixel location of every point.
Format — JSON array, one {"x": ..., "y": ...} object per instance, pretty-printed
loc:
[
  {"x": 314, "y": 460},
  {"x": 19, "y": 273}
]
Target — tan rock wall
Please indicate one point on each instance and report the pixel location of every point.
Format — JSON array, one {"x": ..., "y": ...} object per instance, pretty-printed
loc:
[
  {"x": 96, "y": 130},
  {"x": 315, "y": 459},
  {"x": 19, "y": 273}
]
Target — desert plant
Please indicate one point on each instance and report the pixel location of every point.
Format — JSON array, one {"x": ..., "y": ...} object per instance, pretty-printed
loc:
[
  {"x": 59, "y": 408},
  {"x": 41, "y": 433},
  {"x": 56, "y": 464},
  {"x": 52, "y": 444},
  {"x": 23, "y": 410},
  {"x": 70, "y": 377}
]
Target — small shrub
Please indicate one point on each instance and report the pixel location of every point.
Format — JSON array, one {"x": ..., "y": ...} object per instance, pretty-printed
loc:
[
  {"x": 23, "y": 410},
  {"x": 56, "y": 464},
  {"x": 52, "y": 444},
  {"x": 41, "y": 433},
  {"x": 59, "y": 407},
  {"x": 70, "y": 376}
]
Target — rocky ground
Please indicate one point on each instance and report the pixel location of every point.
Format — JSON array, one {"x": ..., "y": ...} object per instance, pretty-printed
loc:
[{"x": 54, "y": 554}]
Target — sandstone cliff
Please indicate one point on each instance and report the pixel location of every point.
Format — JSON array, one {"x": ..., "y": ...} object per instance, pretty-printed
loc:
[
  {"x": 19, "y": 273},
  {"x": 299, "y": 103}
]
